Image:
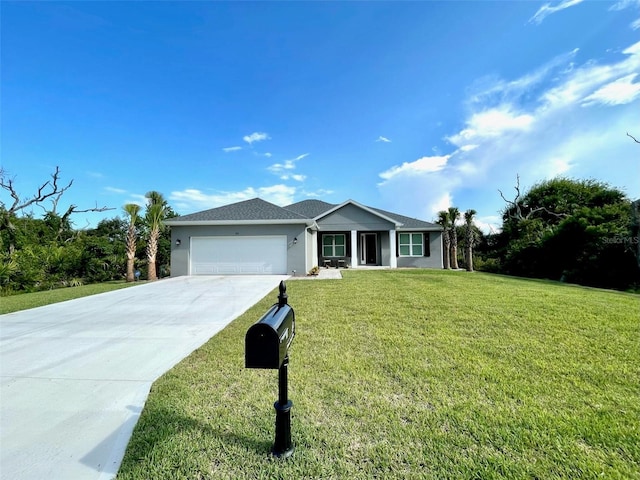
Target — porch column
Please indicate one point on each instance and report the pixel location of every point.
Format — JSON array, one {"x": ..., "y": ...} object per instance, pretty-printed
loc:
[
  {"x": 393, "y": 259},
  {"x": 354, "y": 249},
  {"x": 312, "y": 237}
]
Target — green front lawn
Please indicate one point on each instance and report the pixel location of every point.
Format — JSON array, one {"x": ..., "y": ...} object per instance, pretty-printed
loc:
[
  {"x": 24, "y": 301},
  {"x": 412, "y": 374}
]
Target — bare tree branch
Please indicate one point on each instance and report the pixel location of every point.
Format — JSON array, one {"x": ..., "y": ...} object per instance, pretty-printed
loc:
[
  {"x": 47, "y": 190},
  {"x": 517, "y": 205},
  {"x": 634, "y": 138}
]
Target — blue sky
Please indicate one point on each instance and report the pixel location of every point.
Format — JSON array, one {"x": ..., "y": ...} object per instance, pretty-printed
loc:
[{"x": 406, "y": 106}]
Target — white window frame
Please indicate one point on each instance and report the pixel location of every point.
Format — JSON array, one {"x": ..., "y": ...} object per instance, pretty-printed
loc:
[
  {"x": 333, "y": 244},
  {"x": 411, "y": 244}
]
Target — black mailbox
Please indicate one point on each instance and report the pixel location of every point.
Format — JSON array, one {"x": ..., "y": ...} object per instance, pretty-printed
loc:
[
  {"x": 266, "y": 345},
  {"x": 267, "y": 342}
]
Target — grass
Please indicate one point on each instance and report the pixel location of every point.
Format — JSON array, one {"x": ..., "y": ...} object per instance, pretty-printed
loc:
[
  {"x": 24, "y": 301},
  {"x": 412, "y": 374}
]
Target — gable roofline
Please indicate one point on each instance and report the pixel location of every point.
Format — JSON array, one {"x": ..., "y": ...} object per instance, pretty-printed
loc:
[
  {"x": 363, "y": 207},
  {"x": 412, "y": 224}
]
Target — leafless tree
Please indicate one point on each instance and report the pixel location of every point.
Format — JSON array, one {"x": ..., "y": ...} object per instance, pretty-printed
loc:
[
  {"x": 516, "y": 205},
  {"x": 51, "y": 190}
]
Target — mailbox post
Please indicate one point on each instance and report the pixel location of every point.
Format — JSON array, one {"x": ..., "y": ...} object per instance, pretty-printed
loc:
[{"x": 267, "y": 345}]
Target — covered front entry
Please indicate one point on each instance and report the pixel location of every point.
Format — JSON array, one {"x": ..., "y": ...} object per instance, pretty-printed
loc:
[
  {"x": 368, "y": 249},
  {"x": 239, "y": 255}
]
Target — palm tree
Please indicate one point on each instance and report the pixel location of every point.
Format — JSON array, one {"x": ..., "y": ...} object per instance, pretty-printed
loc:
[
  {"x": 454, "y": 215},
  {"x": 443, "y": 221},
  {"x": 155, "y": 214},
  {"x": 132, "y": 210},
  {"x": 470, "y": 235}
]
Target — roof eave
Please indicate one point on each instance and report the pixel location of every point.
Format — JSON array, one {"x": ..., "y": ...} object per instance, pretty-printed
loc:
[
  {"x": 420, "y": 229},
  {"x": 195, "y": 223}
]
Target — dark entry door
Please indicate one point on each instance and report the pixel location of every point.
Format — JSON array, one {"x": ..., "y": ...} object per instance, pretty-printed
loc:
[{"x": 369, "y": 245}]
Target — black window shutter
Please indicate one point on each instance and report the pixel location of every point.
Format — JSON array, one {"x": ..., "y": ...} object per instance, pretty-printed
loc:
[{"x": 427, "y": 245}]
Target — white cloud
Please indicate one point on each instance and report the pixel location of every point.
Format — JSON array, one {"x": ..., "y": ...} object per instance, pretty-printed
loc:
[
  {"x": 468, "y": 148},
  {"x": 562, "y": 119},
  {"x": 493, "y": 122},
  {"x": 322, "y": 192},
  {"x": 581, "y": 83},
  {"x": 283, "y": 169},
  {"x": 489, "y": 223},
  {"x": 190, "y": 200},
  {"x": 115, "y": 190},
  {"x": 547, "y": 10},
  {"x": 618, "y": 92},
  {"x": 383, "y": 139},
  {"x": 268, "y": 155},
  {"x": 231, "y": 149},
  {"x": 422, "y": 165},
  {"x": 623, "y": 4},
  {"x": 299, "y": 178},
  {"x": 442, "y": 203},
  {"x": 558, "y": 166},
  {"x": 255, "y": 137},
  {"x": 300, "y": 157},
  {"x": 138, "y": 199}
]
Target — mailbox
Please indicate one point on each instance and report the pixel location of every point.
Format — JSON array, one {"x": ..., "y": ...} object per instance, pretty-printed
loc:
[
  {"x": 266, "y": 345},
  {"x": 267, "y": 342}
]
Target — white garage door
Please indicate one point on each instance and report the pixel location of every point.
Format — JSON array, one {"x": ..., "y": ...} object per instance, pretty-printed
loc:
[{"x": 239, "y": 255}]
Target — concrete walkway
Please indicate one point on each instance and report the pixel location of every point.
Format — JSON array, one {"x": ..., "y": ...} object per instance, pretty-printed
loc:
[
  {"x": 74, "y": 376},
  {"x": 323, "y": 274}
]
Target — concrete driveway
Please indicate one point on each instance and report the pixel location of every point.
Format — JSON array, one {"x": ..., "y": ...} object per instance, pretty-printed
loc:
[{"x": 75, "y": 375}]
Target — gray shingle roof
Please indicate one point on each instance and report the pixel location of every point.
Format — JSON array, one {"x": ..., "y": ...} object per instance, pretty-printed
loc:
[
  {"x": 310, "y": 208},
  {"x": 408, "y": 222},
  {"x": 260, "y": 210},
  {"x": 254, "y": 209}
]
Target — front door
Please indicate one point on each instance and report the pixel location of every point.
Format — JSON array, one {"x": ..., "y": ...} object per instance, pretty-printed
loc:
[{"x": 368, "y": 249}]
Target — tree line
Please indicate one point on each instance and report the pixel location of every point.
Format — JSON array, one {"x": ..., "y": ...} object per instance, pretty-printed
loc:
[
  {"x": 577, "y": 231},
  {"x": 40, "y": 253}
]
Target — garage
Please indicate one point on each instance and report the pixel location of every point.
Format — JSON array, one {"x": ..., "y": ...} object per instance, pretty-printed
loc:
[{"x": 239, "y": 255}]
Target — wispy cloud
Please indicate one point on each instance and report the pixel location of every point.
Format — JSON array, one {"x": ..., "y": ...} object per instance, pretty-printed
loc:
[
  {"x": 256, "y": 137},
  {"x": 493, "y": 122},
  {"x": 322, "y": 192},
  {"x": 116, "y": 190},
  {"x": 284, "y": 169},
  {"x": 618, "y": 92},
  {"x": 188, "y": 200},
  {"x": 137, "y": 198},
  {"x": 231, "y": 149},
  {"x": 561, "y": 119},
  {"x": 383, "y": 139},
  {"x": 422, "y": 165},
  {"x": 624, "y": 4},
  {"x": 547, "y": 9}
]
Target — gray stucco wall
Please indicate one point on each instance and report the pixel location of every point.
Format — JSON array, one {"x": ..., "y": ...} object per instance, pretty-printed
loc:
[
  {"x": 434, "y": 260},
  {"x": 296, "y": 259},
  {"x": 351, "y": 217}
]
